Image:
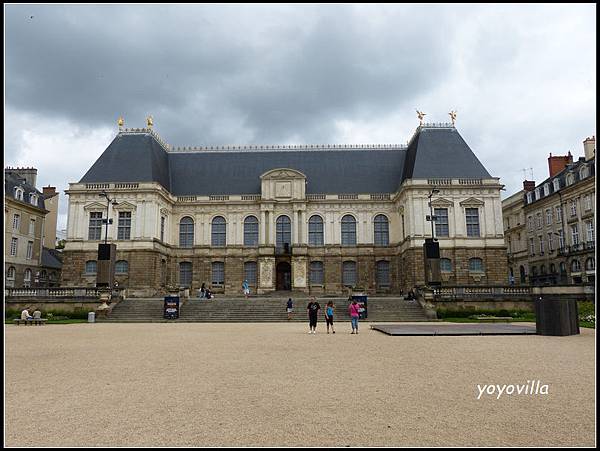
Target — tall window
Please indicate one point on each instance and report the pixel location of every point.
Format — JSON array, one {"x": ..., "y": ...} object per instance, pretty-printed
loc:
[
  {"x": 186, "y": 232},
  {"x": 538, "y": 220},
  {"x": 550, "y": 242},
  {"x": 14, "y": 242},
  {"x": 16, "y": 221},
  {"x": 445, "y": 265},
  {"x": 251, "y": 231},
  {"x": 124, "y": 231},
  {"x": 10, "y": 276},
  {"x": 531, "y": 246},
  {"x": 573, "y": 208},
  {"x": 548, "y": 216},
  {"x": 29, "y": 250},
  {"x": 558, "y": 214},
  {"x": 529, "y": 222},
  {"x": 382, "y": 231},
  {"x": 283, "y": 232},
  {"x": 315, "y": 231},
  {"x": 95, "y": 227},
  {"x": 441, "y": 221},
  {"x": 383, "y": 273},
  {"x": 219, "y": 231},
  {"x": 121, "y": 267},
  {"x": 590, "y": 230},
  {"x": 27, "y": 278},
  {"x": 90, "y": 267},
  {"x": 561, "y": 239},
  {"x": 316, "y": 273},
  {"x": 556, "y": 184},
  {"x": 349, "y": 274},
  {"x": 348, "y": 231},
  {"x": 546, "y": 189},
  {"x": 590, "y": 264},
  {"x": 574, "y": 234},
  {"x": 476, "y": 265},
  {"x": 218, "y": 274},
  {"x": 541, "y": 238},
  {"x": 32, "y": 226},
  {"x": 250, "y": 272},
  {"x": 587, "y": 202},
  {"x": 472, "y": 215},
  {"x": 185, "y": 274},
  {"x": 575, "y": 266},
  {"x": 162, "y": 228},
  {"x": 33, "y": 199},
  {"x": 563, "y": 268}
]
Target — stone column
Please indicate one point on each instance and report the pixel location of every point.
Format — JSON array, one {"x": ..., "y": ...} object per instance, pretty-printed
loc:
[
  {"x": 299, "y": 273},
  {"x": 263, "y": 228},
  {"x": 266, "y": 273},
  {"x": 295, "y": 225}
]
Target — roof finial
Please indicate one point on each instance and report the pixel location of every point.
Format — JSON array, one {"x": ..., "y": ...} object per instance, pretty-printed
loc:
[
  {"x": 120, "y": 121},
  {"x": 420, "y": 115},
  {"x": 149, "y": 121},
  {"x": 453, "y": 116}
]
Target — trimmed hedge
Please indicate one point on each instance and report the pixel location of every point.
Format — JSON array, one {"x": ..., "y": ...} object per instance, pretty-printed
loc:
[{"x": 12, "y": 313}]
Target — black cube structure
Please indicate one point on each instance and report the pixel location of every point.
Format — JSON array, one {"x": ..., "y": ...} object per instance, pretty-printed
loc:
[
  {"x": 106, "y": 265},
  {"x": 556, "y": 317},
  {"x": 431, "y": 257}
]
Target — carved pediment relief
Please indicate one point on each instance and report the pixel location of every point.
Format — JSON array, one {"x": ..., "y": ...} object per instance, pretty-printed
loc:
[
  {"x": 472, "y": 202},
  {"x": 124, "y": 206},
  {"x": 282, "y": 173},
  {"x": 441, "y": 202},
  {"x": 94, "y": 206}
]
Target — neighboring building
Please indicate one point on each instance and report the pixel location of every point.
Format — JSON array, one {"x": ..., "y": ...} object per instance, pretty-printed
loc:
[
  {"x": 24, "y": 215},
  {"x": 554, "y": 223},
  {"x": 312, "y": 218},
  {"x": 51, "y": 204}
]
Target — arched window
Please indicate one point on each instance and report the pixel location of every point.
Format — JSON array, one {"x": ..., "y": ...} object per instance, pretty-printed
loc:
[
  {"x": 18, "y": 193},
  {"x": 250, "y": 272},
  {"x": 218, "y": 274},
  {"x": 552, "y": 268},
  {"x": 381, "y": 230},
  {"x": 382, "y": 277},
  {"x": 575, "y": 266},
  {"x": 590, "y": 264},
  {"x": 251, "y": 231},
  {"x": 445, "y": 265},
  {"x": 348, "y": 231},
  {"x": 522, "y": 274},
  {"x": 33, "y": 199},
  {"x": 121, "y": 267},
  {"x": 186, "y": 232},
  {"x": 185, "y": 274},
  {"x": 27, "y": 278},
  {"x": 476, "y": 265},
  {"x": 315, "y": 231},
  {"x": 563, "y": 268},
  {"x": 316, "y": 273},
  {"x": 543, "y": 269},
  {"x": 90, "y": 267},
  {"x": 583, "y": 172},
  {"x": 283, "y": 232},
  {"x": 349, "y": 274},
  {"x": 219, "y": 232}
]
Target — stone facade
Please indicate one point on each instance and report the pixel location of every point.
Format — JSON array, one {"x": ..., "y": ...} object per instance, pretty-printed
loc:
[{"x": 153, "y": 243}]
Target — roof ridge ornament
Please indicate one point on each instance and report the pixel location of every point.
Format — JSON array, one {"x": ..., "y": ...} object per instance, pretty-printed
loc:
[
  {"x": 150, "y": 121},
  {"x": 120, "y": 122},
  {"x": 452, "y": 115},
  {"x": 420, "y": 115}
]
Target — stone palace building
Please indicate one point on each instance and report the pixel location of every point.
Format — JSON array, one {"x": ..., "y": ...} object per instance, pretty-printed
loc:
[{"x": 313, "y": 218}]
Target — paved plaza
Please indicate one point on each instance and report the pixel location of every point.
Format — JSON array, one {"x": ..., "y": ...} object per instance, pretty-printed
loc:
[{"x": 274, "y": 384}]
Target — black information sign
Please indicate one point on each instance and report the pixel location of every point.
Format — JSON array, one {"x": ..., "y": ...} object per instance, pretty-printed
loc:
[{"x": 171, "y": 307}]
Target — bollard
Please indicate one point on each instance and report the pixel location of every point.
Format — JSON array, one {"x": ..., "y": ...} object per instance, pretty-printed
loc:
[{"x": 91, "y": 317}]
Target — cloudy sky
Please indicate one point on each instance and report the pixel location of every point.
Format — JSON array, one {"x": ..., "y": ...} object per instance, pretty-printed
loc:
[{"x": 522, "y": 78}]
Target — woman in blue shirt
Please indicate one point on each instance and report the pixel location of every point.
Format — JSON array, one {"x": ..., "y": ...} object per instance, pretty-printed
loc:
[{"x": 329, "y": 316}]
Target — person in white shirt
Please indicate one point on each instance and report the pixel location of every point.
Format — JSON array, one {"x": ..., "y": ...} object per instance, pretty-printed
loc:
[{"x": 25, "y": 314}]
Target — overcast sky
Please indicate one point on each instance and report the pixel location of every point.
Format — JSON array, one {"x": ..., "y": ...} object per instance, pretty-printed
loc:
[{"x": 522, "y": 78}]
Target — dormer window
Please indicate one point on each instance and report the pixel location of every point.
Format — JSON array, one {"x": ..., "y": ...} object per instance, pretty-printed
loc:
[
  {"x": 33, "y": 199},
  {"x": 583, "y": 172},
  {"x": 18, "y": 193},
  {"x": 537, "y": 193},
  {"x": 529, "y": 197},
  {"x": 570, "y": 179},
  {"x": 556, "y": 183},
  {"x": 546, "y": 189}
]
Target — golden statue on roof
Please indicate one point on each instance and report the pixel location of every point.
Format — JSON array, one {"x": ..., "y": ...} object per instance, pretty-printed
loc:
[
  {"x": 120, "y": 121},
  {"x": 420, "y": 115},
  {"x": 453, "y": 116},
  {"x": 150, "y": 121}
]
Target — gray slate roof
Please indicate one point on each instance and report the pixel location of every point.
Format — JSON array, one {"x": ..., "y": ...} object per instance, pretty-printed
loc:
[
  {"x": 12, "y": 180},
  {"x": 433, "y": 152},
  {"x": 51, "y": 258}
]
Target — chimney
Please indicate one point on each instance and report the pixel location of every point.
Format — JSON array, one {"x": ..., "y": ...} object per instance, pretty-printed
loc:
[
  {"x": 589, "y": 148},
  {"x": 528, "y": 185},
  {"x": 29, "y": 174},
  {"x": 558, "y": 163},
  {"x": 49, "y": 191}
]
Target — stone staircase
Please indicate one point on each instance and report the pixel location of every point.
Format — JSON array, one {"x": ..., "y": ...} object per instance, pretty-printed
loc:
[{"x": 260, "y": 309}]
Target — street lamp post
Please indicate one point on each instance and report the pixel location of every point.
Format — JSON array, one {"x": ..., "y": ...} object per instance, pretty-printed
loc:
[
  {"x": 107, "y": 221},
  {"x": 431, "y": 217}
]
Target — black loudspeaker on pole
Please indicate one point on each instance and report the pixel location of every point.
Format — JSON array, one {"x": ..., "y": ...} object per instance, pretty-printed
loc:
[{"x": 431, "y": 257}]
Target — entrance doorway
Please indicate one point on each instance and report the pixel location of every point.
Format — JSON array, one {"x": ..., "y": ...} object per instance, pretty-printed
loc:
[{"x": 284, "y": 276}]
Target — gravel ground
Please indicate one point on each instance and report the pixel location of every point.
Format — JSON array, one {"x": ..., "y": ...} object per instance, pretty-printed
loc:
[{"x": 273, "y": 384}]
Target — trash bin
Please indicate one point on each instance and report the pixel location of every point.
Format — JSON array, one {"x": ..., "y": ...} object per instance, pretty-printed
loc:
[
  {"x": 362, "y": 302},
  {"x": 171, "y": 307},
  {"x": 556, "y": 317},
  {"x": 91, "y": 317}
]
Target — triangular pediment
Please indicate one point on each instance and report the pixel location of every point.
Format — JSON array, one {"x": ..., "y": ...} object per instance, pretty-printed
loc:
[
  {"x": 472, "y": 202},
  {"x": 95, "y": 206},
  {"x": 282, "y": 173},
  {"x": 441, "y": 202},
  {"x": 124, "y": 206}
]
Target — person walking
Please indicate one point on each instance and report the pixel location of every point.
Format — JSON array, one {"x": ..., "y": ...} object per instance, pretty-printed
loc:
[
  {"x": 353, "y": 309},
  {"x": 246, "y": 288},
  {"x": 290, "y": 308},
  {"x": 329, "y": 316},
  {"x": 313, "y": 310},
  {"x": 203, "y": 290}
]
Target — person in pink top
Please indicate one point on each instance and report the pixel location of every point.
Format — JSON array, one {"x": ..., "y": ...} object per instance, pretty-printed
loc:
[{"x": 354, "y": 314}]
